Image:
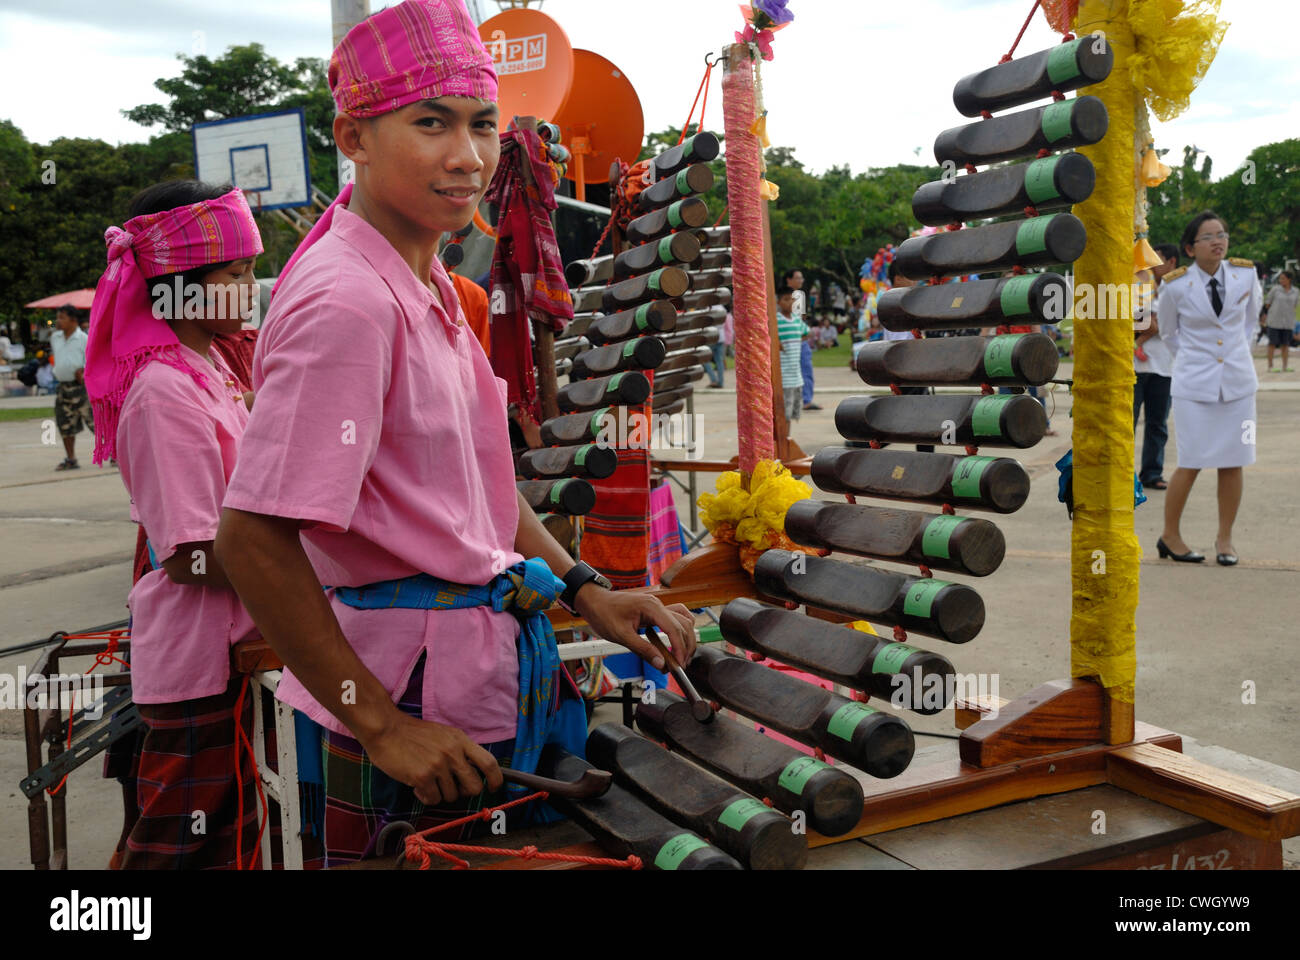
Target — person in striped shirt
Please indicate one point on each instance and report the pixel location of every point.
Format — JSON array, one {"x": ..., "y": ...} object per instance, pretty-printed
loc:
[{"x": 790, "y": 330}]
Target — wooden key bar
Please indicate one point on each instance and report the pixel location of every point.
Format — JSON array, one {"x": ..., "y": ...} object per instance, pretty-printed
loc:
[
  {"x": 743, "y": 826},
  {"x": 880, "y": 665},
  {"x": 936, "y": 608},
  {"x": 1037, "y": 298},
  {"x": 589, "y": 461},
  {"x": 979, "y": 482},
  {"x": 657, "y": 316},
  {"x": 625, "y": 826},
  {"x": 1039, "y": 241},
  {"x": 682, "y": 215},
  {"x": 874, "y": 741},
  {"x": 1052, "y": 183},
  {"x": 1079, "y": 122},
  {"x": 939, "y": 541},
  {"x": 626, "y": 388},
  {"x": 830, "y": 798},
  {"x": 1067, "y": 66},
  {"x": 643, "y": 353},
  {"x": 997, "y": 420},
  {"x": 1011, "y": 359},
  {"x": 571, "y": 495}
]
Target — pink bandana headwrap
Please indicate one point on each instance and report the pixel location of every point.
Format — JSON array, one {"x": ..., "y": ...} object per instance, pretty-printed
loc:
[
  {"x": 417, "y": 50},
  {"x": 124, "y": 333}
]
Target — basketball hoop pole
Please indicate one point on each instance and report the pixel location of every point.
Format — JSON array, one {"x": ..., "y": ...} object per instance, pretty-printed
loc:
[{"x": 346, "y": 14}]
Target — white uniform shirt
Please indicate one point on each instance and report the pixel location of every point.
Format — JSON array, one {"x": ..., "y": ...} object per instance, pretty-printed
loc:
[{"x": 1212, "y": 358}]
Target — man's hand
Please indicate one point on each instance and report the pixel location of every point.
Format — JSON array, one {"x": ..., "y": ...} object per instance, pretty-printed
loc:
[
  {"x": 617, "y": 615},
  {"x": 440, "y": 762}
]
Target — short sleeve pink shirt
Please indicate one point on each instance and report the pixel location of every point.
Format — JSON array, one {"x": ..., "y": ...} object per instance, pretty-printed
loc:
[
  {"x": 380, "y": 424},
  {"x": 176, "y": 445}
]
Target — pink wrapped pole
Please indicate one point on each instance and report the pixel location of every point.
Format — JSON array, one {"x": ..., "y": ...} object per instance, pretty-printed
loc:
[{"x": 748, "y": 274}]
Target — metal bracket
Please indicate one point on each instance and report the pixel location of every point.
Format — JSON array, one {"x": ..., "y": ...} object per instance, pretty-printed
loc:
[{"x": 122, "y": 716}]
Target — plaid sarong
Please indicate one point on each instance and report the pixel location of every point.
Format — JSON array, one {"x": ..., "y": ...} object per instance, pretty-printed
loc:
[
  {"x": 360, "y": 799},
  {"x": 186, "y": 786}
]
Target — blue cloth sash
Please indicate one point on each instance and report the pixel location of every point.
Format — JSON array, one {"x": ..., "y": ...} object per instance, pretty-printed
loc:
[{"x": 524, "y": 590}]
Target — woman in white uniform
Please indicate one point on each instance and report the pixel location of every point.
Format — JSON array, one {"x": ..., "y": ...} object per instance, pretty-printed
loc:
[{"x": 1208, "y": 313}]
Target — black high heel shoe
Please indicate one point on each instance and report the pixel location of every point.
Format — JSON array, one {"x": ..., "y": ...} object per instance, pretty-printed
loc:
[
  {"x": 1191, "y": 556},
  {"x": 1224, "y": 559}
]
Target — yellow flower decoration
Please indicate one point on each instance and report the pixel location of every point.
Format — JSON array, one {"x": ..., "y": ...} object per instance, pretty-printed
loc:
[{"x": 754, "y": 519}]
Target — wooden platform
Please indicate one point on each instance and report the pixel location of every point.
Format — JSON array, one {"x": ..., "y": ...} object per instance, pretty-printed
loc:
[{"x": 1063, "y": 831}]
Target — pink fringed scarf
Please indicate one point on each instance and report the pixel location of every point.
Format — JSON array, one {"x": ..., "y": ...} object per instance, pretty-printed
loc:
[{"x": 124, "y": 332}]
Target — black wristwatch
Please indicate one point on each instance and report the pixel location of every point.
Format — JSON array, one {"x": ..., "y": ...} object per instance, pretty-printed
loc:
[{"x": 581, "y": 575}]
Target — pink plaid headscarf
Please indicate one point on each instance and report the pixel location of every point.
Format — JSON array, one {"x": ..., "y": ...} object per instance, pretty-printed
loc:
[
  {"x": 124, "y": 333},
  {"x": 417, "y": 50}
]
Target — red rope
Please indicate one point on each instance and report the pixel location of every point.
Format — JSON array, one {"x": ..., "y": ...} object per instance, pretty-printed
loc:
[
  {"x": 1023, "y": 28},
  {"x": 102, "y": 659},
  {"x": 900, "y": 635},
  {"x": 241, "y": 738},
  {"x": 418, "y": 846},
  {"x": 703, "y": 88}
]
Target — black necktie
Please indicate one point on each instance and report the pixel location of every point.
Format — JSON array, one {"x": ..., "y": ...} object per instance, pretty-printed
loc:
[{"x": 1215, "y": 300}]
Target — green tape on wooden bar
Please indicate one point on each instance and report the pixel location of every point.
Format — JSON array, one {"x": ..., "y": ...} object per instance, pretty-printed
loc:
[
  {"x": 557, "y": 490},
  {"x": 597, "y": 417},
  {"x": 666, "y": 249},
  {"x": 1063, "y": 62},
  {"x": 1056, "y": 120},
  {"x": 1031, "y": 237},
  {"x": 934, "y": 541},
  {"x": 920, "y": 597},
  {"x": 683, "y": 185},
  {"x": 997, "y": 355},
  {"x": 1040, "y": 179},
  {"x": 891, "y": 657},
  {"x": 581, "y": 455},
  {"x": 672, "y": 853},
  {"x": 675, "y": 215},
  {"x": 986, "y": 421},
  {"x": 966, "y": 478},
  {"x": 652, "y": 281},
  {"x": 1014, "y": 296},
  {"x": 642, "y": 312},
  {"x": 798, "y": 772},
  {"x": 741, "y": 812},
  {"x": 846, "y": 719}
]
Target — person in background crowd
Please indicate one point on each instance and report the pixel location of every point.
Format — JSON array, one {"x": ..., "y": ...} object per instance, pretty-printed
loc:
[
  {"x": 1153, "y": 363},
  {"x": 794, "y": 280},
  {"x": 717, "y": 367},
  {"x": 1280, "y": 317},
  {"x": 72, "y": 406},
  {"x": 790, "y": 331},
  {"x": 1207, "y": 312}
]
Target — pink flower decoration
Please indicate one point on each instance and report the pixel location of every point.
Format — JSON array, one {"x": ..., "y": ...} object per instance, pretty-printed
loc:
[{"x": 763, "y": 38}]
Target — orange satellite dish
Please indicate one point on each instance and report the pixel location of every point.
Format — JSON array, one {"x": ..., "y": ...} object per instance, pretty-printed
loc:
[
  {"x": 600, "y": 120},
  {"x": 533, "y": 60}
]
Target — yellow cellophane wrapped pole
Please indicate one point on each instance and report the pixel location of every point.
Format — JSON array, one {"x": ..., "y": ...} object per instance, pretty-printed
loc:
[{"x": 1104, "y": 551}]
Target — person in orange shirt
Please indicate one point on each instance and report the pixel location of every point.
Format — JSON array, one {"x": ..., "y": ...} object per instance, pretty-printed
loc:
[{"x": 474, "y": 304}]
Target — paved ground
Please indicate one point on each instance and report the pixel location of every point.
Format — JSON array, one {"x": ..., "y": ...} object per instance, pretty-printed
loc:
[{"x": 1202, "y": 630}]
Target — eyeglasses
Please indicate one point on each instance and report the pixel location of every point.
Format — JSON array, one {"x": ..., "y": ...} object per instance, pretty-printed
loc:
[{"x": 1206, "y": 237}]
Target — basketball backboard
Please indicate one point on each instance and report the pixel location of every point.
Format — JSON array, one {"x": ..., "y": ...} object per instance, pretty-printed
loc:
[{"x": 265, "y": 155}]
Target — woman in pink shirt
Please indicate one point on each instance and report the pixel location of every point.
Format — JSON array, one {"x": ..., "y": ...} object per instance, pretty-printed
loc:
[{"x": 172, "y": 413}]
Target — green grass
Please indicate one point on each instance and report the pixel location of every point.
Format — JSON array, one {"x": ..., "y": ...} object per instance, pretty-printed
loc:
[
  {"x": 834, "y": 356},
  {"x": 27, "y": 413}
]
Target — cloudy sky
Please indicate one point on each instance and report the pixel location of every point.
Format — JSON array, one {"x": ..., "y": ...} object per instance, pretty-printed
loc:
[{"x": 856, "y": 83}]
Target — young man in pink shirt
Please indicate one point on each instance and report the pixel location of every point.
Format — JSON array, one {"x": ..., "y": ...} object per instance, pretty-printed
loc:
[{"x": 377, "y": 463}]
